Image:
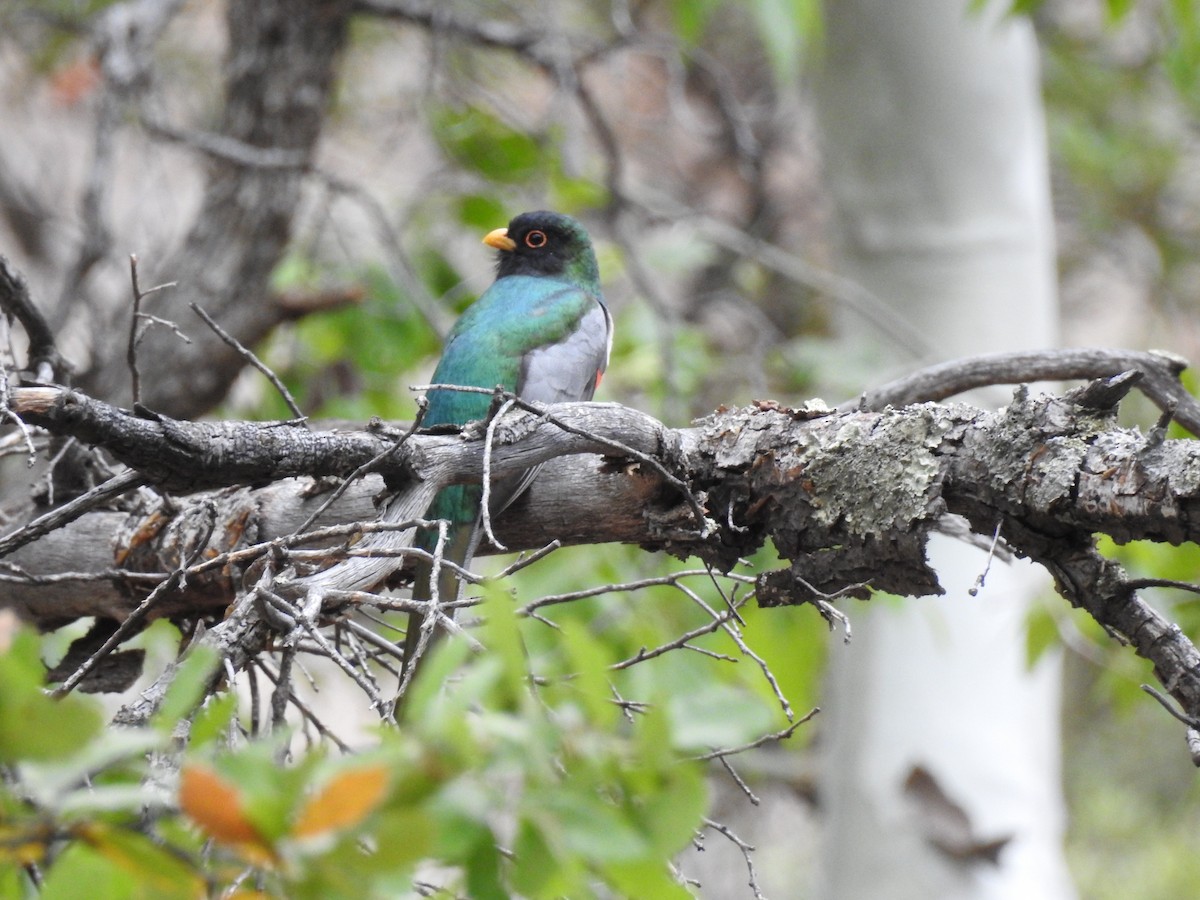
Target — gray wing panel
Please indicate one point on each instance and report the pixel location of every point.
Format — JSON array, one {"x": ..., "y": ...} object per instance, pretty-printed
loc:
[
  {"x": 567, "y": 370},
  {"x": 557, "y": 374}
]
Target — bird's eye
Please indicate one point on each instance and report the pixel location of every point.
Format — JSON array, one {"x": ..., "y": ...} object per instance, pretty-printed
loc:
[{"x": 535, "y": 239}]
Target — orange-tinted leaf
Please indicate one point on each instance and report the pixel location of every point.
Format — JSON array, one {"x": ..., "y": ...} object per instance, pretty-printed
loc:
[
  {"x": 346, "y": 800},
  {"x": 215, "y": 805}
]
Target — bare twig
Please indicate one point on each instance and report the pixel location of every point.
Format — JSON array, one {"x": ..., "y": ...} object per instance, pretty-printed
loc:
[
  {"x": 747, "y": 853},
  {"x": 981, "y": 578},
  {"x": 524, "y": 560},
  {"x": 737, "y": 779},
  {"x": 45, "y": 362},
  {"x": 69, "y": 512},
  {"x": 771, "y": 738},
  {"x": 486, "y": 502},
  {"x": 1166, "y": 704},
  {"x": 430, "y": 613},
  {"x": 304, "y": 709},
  {"x": 1160, "y": 383},
  {"x": 367, "y": 467},
  {"x": 137, "y": 327},
  {"x": 248, "y": 355}
]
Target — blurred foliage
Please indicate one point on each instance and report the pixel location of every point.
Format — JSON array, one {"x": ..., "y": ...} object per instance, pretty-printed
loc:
[
  {"x": 1122, "y": 96},
  {"x": 584, "y": 788}
]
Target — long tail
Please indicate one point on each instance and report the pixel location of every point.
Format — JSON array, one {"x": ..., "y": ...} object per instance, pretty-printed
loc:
[
  {"x": 459, "y": 506},
  {"x": 421, "y": 634},
  {"x": 379, "y": 553}
]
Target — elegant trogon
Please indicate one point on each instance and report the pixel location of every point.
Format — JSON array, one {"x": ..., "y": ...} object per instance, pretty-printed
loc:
[{"x": 542, "y": 331}]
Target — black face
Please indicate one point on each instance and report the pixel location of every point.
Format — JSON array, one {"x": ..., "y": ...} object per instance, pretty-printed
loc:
[{"x": 547, "y": 244}]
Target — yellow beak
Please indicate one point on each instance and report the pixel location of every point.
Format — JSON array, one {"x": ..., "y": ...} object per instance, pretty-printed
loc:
[{"x": 500, "y": 240}]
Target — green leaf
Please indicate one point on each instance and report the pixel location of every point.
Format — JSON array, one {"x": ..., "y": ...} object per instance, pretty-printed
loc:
[
  {"x": 1041, "y": 633},
  {"x": 571, "y": 195},
  {"x": 649, "y": 878},
  {"x": 503, "y": 640},
  {"x": 405, "y": 837},
  {"x": 482, "y": 212},
  {"x": 672, "y": 815},
  {"x": 785, "y": 27},
  {"x": 213, "y": 720},
  {"x": 80, "y": 873},
  {"x": 590, "y": 665},
  {"x": 32, "y": 725},
  {"x": 483, "y": 872},
  {"x": 1118, "y": 9},
  {"x": 587, "y": 823},
  {"x": 691, "y": 18},
  {"x": 712, "y": 715},
  {"x": 478, "y": 140},
  {"x": 537, "y": 870},
  {"x": 60, "y": 784},
  {"x": 157, "y": 872},
  {"x": 189, "y": 686}
]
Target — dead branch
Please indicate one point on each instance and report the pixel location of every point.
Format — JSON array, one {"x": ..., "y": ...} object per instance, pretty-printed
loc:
[{"x": 847, "y": 498}]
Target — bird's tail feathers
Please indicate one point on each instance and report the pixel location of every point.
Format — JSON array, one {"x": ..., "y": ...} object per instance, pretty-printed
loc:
[{"x": 377, "y": 554}]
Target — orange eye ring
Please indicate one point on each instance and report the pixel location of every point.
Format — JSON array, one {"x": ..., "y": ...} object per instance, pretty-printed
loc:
[{"x": 535, "y": 240}]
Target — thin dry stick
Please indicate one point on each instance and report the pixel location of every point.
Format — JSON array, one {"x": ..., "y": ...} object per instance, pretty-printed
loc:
[
  {"x": 771, "y": 738},
  {"x": 137, "y": 327},
  {"x": 981, "y": 578},
  {"x": 304, "y": 710},
  {"x": 14, "y": 574},
  {"x": 429, "y": 622},
  {"x": 7, "y": 414},
  {"x": 388, "y": 647},
  {"x": 342, "y": 663},
  {"x": 486, "y": 502},
  {"x": 252, "y": 688},
  {"x": 71, "y": 511},
  {"x": 1166, "y": 704},
  {"x": 625, "y": 587},
  {"x": 362, "y": 657},
  {"x": 524, "y": 560},
  {"x": 283, "y": 691},
  {"x": 682, "y": 641},
  {"x": 737, "y": 779},
  {"x": 747, "y": 851},
  {"x": 726, "y": 597},
  {"x": 247, "y": 354},
  {"x": 367, "y": 467},
  {"x": 735, "y": 633}
]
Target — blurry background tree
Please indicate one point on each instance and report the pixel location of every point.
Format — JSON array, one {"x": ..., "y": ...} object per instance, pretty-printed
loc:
[
  {"x": 334, "y": 226},
  {"x": 936, "y": 158}
]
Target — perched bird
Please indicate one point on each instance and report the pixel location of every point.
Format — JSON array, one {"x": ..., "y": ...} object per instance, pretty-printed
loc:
[{"x": 543, "y": 331}]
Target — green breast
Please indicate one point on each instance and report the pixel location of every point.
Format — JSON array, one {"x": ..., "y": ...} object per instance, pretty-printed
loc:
[{"x": 516, "y": 315}]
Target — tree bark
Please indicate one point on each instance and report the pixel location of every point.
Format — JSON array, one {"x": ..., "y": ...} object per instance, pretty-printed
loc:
[
  {"x": 280, "y": 73},
  {"x": 848, "y": 498}
]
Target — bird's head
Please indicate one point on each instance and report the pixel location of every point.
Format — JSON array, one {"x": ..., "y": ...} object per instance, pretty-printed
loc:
[{"x": 545, "y": 243}]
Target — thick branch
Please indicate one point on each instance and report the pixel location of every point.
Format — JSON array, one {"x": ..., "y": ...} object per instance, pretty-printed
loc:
[
  {"x": 1160, "y": 377},
  {"x": 846, "y": 497}
]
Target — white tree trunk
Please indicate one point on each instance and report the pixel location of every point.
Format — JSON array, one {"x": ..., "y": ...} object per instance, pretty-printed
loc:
[{"x": 936, "y": 158}]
